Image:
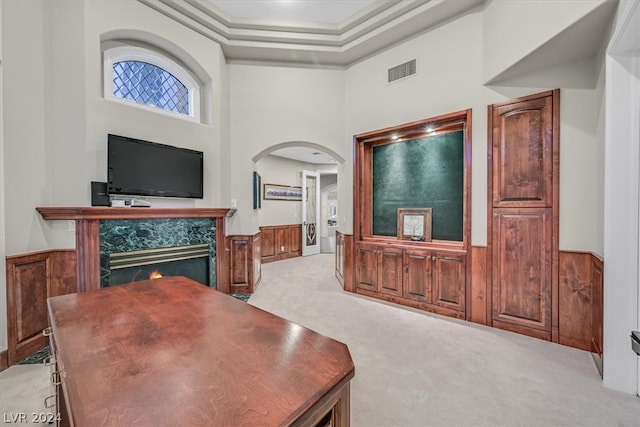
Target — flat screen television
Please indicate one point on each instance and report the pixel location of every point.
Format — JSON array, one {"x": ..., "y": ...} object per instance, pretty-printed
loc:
[{"x": 144, "y": 168}]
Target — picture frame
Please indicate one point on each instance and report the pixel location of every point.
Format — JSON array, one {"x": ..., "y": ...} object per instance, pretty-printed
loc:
[
  {"x": 257, "y": 190},
  {"x": 282, "y": 192},
  {"x": 414, "y": 224}
]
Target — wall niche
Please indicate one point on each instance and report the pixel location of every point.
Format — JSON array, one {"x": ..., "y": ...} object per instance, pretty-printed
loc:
[{"x": 414, "y": 171}]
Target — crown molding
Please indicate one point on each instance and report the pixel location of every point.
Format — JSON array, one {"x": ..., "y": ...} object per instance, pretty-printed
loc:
[{"x": 382, "y": 24}]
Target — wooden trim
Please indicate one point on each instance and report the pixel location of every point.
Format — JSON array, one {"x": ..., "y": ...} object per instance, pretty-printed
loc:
[
  {"x": 477, "y": 307},
  {"x": 222, "y": 263},
  {"x": 555, "y": 221},
  {"x": 88, "y": 213},
  {"x": 362, "y": 173},
  {"x": 432, "y": 308}
]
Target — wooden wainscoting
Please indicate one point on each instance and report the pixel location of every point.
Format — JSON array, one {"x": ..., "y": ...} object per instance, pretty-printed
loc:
[
  {"x": 479, "y": 307},
  {"x": 580, "y": 301},
  {"x": 245, "y": 264},
  {"x": 31, "y": 279},
  {"x": 281, "y": 242},
  {"x": 579, "y": 308},
  {"x": 344, "y": 260}
]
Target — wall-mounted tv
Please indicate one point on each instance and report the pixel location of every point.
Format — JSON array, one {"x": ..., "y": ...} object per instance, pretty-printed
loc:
[{"x": 144, "y": 168}]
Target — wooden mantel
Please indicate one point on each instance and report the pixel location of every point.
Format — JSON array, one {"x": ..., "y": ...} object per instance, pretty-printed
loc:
[
  {"x": 83, "y": 213},
  {"x": 88, "y": 219}
]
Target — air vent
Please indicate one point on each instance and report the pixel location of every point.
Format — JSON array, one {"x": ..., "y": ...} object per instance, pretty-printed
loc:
[{"x": 402, "y": 70}]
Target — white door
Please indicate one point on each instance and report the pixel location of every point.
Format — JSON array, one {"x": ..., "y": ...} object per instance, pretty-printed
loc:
[{"x": 310, "y": 213}]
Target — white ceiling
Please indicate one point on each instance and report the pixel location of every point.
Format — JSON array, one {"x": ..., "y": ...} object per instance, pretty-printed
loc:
[
  {"x": 296, "y": 11},
  {"x": 305, "y": 154}
]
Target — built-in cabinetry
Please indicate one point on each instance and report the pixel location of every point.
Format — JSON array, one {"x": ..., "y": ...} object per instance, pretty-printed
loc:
[
  {"x": 523, "y": 214},
  {"x": 432, "y": 280},
  {"x": 281, "y": 242},
  {"x": 400, "y": 172}
]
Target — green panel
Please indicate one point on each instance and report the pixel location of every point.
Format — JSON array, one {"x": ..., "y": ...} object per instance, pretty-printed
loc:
[{"x": 420, "y": 173}]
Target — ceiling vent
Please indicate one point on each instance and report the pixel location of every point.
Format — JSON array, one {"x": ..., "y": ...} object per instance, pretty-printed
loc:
[{"x": 403, "y": 70}]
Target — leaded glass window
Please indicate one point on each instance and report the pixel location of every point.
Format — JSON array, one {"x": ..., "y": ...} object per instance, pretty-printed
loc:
[
  {"x": 149, "y": 84},
  {"x": 150, "y": 80}
]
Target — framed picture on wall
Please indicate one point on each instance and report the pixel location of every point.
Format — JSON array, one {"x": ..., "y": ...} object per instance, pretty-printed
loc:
[
  {"x": 257, "y": 187},
  {"x": 282, "y": 192},
  {"x": 414, "y": 224}
]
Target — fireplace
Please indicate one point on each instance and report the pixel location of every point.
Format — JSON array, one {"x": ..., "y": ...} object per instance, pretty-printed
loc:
[
  {"x": 191, "y": 261},
  {"x": 130, "y": 250}
]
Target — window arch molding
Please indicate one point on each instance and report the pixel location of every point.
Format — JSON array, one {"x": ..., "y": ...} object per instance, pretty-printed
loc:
[
  {"x": 164, "y": 48},
  {"x": 127, "y": 52}
]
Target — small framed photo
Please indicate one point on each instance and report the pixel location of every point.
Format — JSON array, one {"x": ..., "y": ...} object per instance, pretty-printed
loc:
[
  {"x": 282, "y": 192},
  {"x": 257, "y": 190},
  {"x": 414, "y": 224}
]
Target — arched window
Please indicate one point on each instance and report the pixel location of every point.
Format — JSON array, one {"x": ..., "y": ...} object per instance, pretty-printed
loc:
[{"x": 151, "y": 80}]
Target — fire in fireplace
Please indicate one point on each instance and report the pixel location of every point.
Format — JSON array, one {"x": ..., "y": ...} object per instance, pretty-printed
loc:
[{"x": 191, "y": 261}]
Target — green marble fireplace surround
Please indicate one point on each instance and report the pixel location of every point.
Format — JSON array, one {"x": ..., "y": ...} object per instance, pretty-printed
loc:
[
  {"x": 126, "y": 235},
  {"x": 103, "y": 230}
]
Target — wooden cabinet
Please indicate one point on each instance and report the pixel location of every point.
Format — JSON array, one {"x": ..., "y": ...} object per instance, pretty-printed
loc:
[
  {"x": 280, "y": 242},
  {"x": 523, "y": 153},
  {"x": 428, "y": 279},
  {"x": 523, "y": 214},
  {"x": 32, "y": 279},
  {"x": 417, "y": 276},
  {"x": 521, "y": 270},
  {"x": 390, "y": 271},
  {"x": 449, "y": 280}
]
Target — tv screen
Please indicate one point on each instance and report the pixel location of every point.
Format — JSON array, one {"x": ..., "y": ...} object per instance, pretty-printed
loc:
[{"x": 145, "y": 168}]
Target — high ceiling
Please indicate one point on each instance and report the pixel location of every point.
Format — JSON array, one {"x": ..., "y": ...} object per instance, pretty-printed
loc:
[
  {"x": 309, "y": 32},
  {"x": 294, "y": 11},
  {"x": 339, "y": 33}
]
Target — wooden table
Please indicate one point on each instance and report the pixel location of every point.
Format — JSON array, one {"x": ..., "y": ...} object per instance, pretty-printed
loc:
[{"x": 172, "y": 352}]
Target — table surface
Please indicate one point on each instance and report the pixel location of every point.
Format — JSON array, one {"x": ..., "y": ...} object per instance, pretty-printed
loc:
[{"x": 173, "y": 352}]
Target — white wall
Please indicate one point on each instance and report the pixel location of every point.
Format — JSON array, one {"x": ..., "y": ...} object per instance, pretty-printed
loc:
[
  {"x": 272, "y": 105},
  {"x": 277, "y": 170},
  {"x": 55, "y": 120},
  {"x": 3, "y": 240},
  {"x": 513, "y": 29},
  {"x": 622, "y": 215}
]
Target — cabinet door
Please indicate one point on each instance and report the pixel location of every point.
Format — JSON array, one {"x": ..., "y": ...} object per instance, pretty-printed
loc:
[
  {"x": 449, "y": 279},
  {"x": 367, "y": 268},
  {"x": 521, "y": 269},
  {"x": 417, "y": 275},
  {"x": 391, "y": 271},
  {"x": 523, "y": 153}
]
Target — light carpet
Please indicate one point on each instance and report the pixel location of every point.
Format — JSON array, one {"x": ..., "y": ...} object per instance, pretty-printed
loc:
[{"x": 419, "y": 369}]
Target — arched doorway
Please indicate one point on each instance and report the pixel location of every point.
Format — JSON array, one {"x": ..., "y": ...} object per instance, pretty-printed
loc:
[{"x": 283, "y": 165}]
